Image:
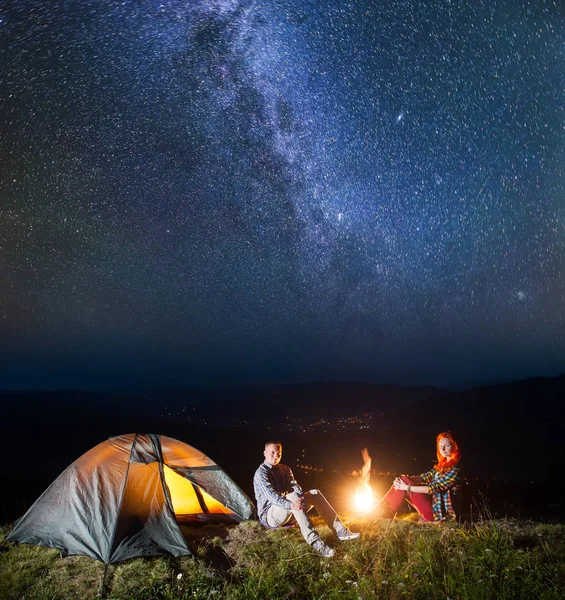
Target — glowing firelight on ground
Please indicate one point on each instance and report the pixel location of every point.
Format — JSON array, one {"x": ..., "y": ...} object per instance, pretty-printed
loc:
[{"x": 364, "y": 500}]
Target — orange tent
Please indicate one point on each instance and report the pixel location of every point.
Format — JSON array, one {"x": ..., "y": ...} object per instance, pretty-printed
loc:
[{"x": 124, "y": 498}]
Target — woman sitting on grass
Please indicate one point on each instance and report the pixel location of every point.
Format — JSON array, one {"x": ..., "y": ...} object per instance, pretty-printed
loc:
[{"x": 434, "y": 499}]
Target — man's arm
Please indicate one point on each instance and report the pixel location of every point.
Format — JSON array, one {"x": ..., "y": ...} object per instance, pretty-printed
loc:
[
  {"x": 293, "y": 483},
  {"x": 299, "y": 503},
  {"x": 264, "y": 488}
]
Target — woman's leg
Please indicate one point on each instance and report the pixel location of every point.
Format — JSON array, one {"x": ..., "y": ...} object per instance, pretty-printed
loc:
[
  {"x": 421, "y": 502},
  {"x": 394, "y": 498}
]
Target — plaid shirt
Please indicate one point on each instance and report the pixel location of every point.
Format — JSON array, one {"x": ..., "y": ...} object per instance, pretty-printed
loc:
[
  {"x": 442, "y": 486},
  {"x": 271, "y": 484}
]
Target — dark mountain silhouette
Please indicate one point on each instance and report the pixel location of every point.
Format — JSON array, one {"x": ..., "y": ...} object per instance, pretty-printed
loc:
[
  {"x": 512, "y": 431},
  {"x": 467, "y": 385}
]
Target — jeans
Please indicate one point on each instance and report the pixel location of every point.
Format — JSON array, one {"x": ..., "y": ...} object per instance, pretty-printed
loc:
[{"x": 278, "y": 516}]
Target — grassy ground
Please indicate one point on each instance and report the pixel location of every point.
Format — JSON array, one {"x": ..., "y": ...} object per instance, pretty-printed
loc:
[{"x": 498, "y": 559}]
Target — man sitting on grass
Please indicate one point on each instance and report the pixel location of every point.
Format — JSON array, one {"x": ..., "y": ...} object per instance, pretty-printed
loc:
[{"x": 280, "y": 498}]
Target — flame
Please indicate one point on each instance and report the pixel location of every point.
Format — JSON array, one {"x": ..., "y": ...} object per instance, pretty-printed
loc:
[{"x": 364, "y": 500}]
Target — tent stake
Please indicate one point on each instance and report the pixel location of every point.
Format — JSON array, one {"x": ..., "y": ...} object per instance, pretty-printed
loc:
[{"x": 103, "y": 582}]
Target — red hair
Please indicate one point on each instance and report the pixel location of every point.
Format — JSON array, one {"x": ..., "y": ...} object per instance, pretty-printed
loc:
[{"x": 443, "y": 464}]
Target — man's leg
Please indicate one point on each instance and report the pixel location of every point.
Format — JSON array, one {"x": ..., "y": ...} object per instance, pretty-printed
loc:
[
  {"x": 327, "y": 512},
  {"x": 276, "y": 517},
  {"x": 306, "y": 527},
  {"x": 316, "y": 499}
]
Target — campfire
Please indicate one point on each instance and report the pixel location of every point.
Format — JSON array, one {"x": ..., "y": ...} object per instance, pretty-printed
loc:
[{"x": 364, "y": 500}]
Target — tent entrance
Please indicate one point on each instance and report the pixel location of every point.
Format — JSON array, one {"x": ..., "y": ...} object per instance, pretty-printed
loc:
[{"x": 191, "y": 502}]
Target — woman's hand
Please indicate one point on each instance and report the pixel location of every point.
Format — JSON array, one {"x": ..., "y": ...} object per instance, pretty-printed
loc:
[{"x": 399, "y": 484}]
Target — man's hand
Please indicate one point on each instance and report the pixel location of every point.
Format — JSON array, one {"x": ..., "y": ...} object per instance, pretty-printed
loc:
[{"x": 298, "y": 504}]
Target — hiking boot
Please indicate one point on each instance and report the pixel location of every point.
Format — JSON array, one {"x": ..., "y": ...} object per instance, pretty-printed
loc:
[
  {"x": 322, "y": 548},
  {"x": 343, "y": 534}
]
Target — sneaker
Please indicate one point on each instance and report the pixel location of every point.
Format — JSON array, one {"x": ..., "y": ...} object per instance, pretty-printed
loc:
[
  {"x": 343, "y": 534},
  {"x": 322, "y": 548}
]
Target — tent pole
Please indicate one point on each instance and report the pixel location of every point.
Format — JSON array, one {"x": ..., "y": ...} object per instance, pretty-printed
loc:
[{"x": 100, "y": 593}]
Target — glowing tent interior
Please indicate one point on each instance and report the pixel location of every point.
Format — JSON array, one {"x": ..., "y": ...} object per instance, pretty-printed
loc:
[{"x": 125, "y": 497}]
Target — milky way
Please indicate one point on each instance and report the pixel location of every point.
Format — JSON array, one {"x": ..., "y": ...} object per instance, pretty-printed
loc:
[{"x": 286, "y": 190}]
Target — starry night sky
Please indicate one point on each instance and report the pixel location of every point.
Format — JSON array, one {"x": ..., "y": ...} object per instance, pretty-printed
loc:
[{"x": 220, "y": 191}]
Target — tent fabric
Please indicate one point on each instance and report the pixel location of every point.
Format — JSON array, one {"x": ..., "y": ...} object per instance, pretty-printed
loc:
[{"x": 122, "y": 499}]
